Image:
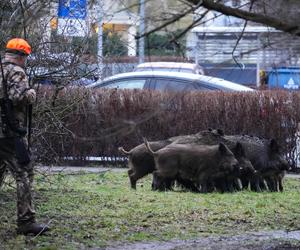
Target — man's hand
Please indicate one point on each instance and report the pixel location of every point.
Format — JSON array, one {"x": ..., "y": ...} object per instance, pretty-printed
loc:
[{"x": 31, "y": 95}]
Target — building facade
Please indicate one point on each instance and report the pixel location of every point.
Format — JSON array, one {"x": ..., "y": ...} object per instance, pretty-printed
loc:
[{"x": 222, "y": 40}]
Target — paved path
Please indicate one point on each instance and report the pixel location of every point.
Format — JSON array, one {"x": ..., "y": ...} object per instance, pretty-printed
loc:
[
  {"x": 273, "y": 240},
  {"x": 293, "y": 175},
  {"x": 73, "y": 169}
]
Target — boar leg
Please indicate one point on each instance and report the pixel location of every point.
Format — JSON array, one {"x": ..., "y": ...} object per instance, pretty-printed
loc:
[
  {"x": 280, "y": 183},
  {"x": 245, "y": 182},
  {"x": 231, "y": 184},
  {"x": 188, "y": 184},
  {"x": 169, "y": 183},
  {"x": 210, "y": 187},
  {"x": 237, "y": 184},
  {"x": 263, "y": 185},
  {"x": 207, "y": 186},
  {"x": 164, "y": 179},
  {"x": 161, "y": 184},
  {"x": 221, "y": 184},
  {"x": 204, "y": 187},
  {"x": 132, "y": 180},
  {"x": 280, "y": 177},
  {"x": 272, "y": 184},
  {"x": 134, "y": 176},
  {"x": 255, "y": 184}
]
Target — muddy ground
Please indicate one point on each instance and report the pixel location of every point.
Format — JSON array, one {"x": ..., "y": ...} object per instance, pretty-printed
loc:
[{"x": 276, "y": 240}]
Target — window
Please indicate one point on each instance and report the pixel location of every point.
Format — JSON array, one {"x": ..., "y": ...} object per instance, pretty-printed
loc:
[
  {"x": 127, "y": 84},
  {"x": 174, "y": 85},
  {"x": 236, "y": 3},
  {"x": 205, "y": 86}
]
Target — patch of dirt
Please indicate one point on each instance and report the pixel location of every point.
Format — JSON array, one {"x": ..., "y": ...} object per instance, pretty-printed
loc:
[{"x": 275, "y": 240}]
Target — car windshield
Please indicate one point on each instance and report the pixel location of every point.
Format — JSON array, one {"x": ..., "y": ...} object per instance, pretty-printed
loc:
[{"x": 127, "y": 84}]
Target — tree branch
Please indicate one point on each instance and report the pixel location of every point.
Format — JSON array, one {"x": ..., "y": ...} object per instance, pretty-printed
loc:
[
  {"x": 250, "y": 16},
  {"x": 173, "y": 20}
]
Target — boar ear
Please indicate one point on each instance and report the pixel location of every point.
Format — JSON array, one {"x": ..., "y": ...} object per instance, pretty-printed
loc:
[
  {"x": 239, "y": 150},
  {"x": 220, "y": 132},
  {"x": 222, "y": 148},
  {"x": 274, "y": 146}
]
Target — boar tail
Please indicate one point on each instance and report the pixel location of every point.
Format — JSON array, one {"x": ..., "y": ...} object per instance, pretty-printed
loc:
[
  {"x": 148, "y": 146},
  {"x": 122, "y": 150}
]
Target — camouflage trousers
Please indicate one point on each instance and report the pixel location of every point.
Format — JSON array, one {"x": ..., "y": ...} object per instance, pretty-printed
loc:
[
  {"x": 23, "y": 175},
  {"x": 3, "y": 171}
]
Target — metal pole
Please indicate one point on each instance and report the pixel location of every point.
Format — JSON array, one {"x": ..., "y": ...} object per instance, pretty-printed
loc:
[
  {"x": 258, "y": 83},
  {"x": 142, "y": 31},
  {"x": 100, "y": 40}
]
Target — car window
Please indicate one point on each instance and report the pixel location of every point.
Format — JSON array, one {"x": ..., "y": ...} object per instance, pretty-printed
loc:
[
  {"x": 206, "y": 86},
  {"x": 127, "y": 84},
  {"x": 173, "y": 85}
]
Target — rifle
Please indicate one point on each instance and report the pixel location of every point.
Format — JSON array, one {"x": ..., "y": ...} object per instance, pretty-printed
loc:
[
  {"x": 10, "y": 125},
  {"x": 29, "y": 108}
]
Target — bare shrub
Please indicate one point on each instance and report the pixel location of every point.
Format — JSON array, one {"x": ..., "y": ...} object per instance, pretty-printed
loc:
[{"x": 84, "y": 122}]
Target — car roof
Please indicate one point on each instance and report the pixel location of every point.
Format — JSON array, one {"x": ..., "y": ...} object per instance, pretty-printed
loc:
[
  {"x": 212, "y": 81},
  {"x": 167, "y": 65}
]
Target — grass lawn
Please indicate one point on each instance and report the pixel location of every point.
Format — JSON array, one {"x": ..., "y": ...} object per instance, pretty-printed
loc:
[{"x": 95, "y": 210}]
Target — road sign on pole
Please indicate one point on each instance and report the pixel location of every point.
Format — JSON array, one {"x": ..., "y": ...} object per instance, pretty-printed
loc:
[
  {"x": 71, "y": 17},
  {"x": 72, "y": 9}
]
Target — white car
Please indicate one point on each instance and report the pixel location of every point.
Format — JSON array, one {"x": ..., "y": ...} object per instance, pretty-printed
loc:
[
  {"x": 171, "y": 66},
  {"x": 167, "y": 81}
]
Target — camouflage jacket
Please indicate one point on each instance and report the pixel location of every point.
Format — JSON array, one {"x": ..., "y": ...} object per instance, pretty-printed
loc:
[{"x": 18, "y": 91}]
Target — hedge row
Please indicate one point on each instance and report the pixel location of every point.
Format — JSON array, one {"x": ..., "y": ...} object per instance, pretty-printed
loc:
[{"x": 79, "y": 123}]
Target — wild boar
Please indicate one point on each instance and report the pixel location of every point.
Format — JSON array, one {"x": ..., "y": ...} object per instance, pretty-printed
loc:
[
  {"x": 141, "y": 162},
  {"x": 229, "y": 181},
  {"x": 274, "y": 178},
  {"x": 196, "y": 163},
  {"x": 265, "y": 157},
  {"x": 232, "y": 181}
]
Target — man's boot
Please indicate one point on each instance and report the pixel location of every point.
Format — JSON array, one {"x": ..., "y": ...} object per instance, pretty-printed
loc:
[{"x": 32, "y": 228}]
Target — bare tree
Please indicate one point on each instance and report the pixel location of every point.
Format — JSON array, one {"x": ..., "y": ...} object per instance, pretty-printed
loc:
[{"x": 281, "y": 14}]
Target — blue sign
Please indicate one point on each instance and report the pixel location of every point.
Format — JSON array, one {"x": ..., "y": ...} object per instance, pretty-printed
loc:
[{"x": 72, "y": 9}]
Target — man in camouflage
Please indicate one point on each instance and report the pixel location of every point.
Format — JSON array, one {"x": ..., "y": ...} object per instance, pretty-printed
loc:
[{"x": 21, "y": 95}]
